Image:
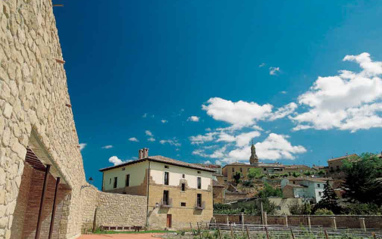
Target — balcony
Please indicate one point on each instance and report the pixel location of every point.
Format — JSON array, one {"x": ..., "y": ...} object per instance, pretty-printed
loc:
[
  {"x": 200, "y": 205},
  {"x": 166, "y": 203}
]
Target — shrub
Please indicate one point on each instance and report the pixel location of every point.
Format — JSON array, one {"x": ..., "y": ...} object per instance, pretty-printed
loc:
[{"x": 323, "y": 211}]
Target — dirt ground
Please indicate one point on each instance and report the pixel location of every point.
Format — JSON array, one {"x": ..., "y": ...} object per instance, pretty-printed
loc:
[{"x": 122, "y": 236}]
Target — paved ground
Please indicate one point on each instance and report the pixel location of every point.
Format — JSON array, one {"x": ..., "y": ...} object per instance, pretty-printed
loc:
[{"x": 122, "y": 236}]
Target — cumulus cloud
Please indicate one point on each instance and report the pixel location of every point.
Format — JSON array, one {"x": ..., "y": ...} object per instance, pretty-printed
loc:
[
  {"x": 347, "y": 101},
  {"x": 164, "y": 121},
  {"x": 274, "y": 70},
  {"x": 115, "y": 160},
  {"x": 151, "y": 139},
  {"x": 133, "y": 139},
  {"x": 173, "y": 142},
  {"x": 107, "y": 147},
  {"x": 238, "y": 114},
  {"x": 241, "y": 139},
  {"x": 262, "y": 65},
  {"x": 82, "y": 146},
  {"x": 148, "y": 133},
  {"x": 274, "y": 147},
  {"x": 219, "y": 153},
  {"x": 283, "y": 111},
  {"x": 193, "y": 118},
  {"x": 200, "y": 139}
]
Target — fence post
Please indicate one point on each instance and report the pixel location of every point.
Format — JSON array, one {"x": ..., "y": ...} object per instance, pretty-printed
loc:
[
  {"x": 286, "y": 220},
  {"x": 326, "y": 234},
  {"x": 291, "y": 232},
  {"x": 232, "y": 235},
  {"x": 334, "y": 223},
  {"x": 362, "y": 223},
  {"x": 266, "y": 231},
  {"x": 265, "y": 219},
  {"x": 227, "y": 220},
  {"x": 246, "y": 227},
  {"x": 373, "y": 235},
  {"x": 309, "y": 224},
  {"x": 242, "y": 221}
]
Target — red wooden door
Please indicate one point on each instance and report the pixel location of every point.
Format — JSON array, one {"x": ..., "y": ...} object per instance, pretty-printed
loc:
[{"x": 169, "y": 220}]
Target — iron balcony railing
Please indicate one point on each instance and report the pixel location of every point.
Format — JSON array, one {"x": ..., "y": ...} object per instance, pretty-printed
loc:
[
  {"x": 200, "y": 206},
  {"x": 166, "y": 203}
]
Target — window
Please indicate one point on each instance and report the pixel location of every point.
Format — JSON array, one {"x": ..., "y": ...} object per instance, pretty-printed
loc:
[
  {"x": 110, "y": 181},
  {"x": 294, "y": 182},
  {"x": 182, "y": 204},
  {"x": 318, "y": 185},
  {"x": 320, "y": 193},
  {"x": 166, "y": 178},
  {"x": 198, "y": 172},
  {"x": 183, "y": 187},
  {"x": 199, "y": 200},
  {"x": 127, "y": 180},
  {"x": 233, "y": 170},
  {"x": 165, "y": 166},
  {"x": 241, "y": 170},
  {"x": 166, "y": 198},
  {"x": 199, "y": 183},
  {"x": 265, "y": 169},
  {"x": 123, "y": 169},
  {"x": 115, "y": 182},
  {"x": 183, "y": 176}
]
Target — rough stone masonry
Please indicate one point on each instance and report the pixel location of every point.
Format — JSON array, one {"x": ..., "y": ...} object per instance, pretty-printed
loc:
[{"x": 35, "y": 111}]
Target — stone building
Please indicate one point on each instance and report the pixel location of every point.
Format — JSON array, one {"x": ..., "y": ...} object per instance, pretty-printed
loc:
[
  {"x": 335, "y": 166},
  {"x": 42, "y": 180},
  {"x": 229, "y": 170},
  {"x": 308, "y": 189},
  {"x": 177, "y": 193}
]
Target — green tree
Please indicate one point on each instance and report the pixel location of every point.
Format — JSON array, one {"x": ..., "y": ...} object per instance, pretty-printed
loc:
[
  {"x": 255, "y": 173},
  {"x": 362, "y": 182},
  {"x": 237, "y": 177},
  {"x": 329, "y": 200},
  {"x": 321, "y": 173},
  {"x": 269, "y": 191}
]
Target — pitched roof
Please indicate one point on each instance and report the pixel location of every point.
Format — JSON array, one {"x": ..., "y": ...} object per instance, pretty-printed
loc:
[
  {"x": 310, "y": 179},
  {"x": 296, "y": 166},
  {"x": 161, "y": 159},
  {"x": 343, "y": 157}
]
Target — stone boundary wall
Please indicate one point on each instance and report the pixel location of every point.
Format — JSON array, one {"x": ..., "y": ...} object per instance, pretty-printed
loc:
[
  {"x": 342, "y": 221},
  {"x": 112, "y": 209}
]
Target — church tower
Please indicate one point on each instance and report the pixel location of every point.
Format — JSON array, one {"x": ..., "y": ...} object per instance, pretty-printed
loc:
[{"x": 254, "y": 160}]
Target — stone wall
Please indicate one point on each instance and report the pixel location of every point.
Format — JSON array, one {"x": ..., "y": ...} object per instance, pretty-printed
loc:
[
  {"x": 111, "y": 209},
  {"x": 34, "y": 100},
  {"x": 342, "y": 221}
]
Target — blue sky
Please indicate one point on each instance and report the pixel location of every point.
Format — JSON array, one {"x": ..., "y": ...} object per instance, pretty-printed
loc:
[{"x": 244, "y": 69}]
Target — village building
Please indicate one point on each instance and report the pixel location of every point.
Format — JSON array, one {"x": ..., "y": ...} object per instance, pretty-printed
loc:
[
  {"x": 290, "y": 169},
  {"x": 177, "y": 193},
  {"x": 230, "y": 170},
  {"x": 309, "y": 189},
  {"x": 335, "y": 166}
]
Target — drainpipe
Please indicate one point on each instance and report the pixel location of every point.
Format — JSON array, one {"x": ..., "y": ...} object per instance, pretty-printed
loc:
[{"x": 148, "y": 194}]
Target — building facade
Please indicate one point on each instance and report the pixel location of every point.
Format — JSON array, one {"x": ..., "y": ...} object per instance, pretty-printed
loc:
[
  {"x": 335, "y": 166},
  {"x": 308, "y": 189},
  {"x": 178, "y": 193}
]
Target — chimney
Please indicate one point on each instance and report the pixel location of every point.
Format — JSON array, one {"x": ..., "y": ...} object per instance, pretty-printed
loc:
[
  {"x": 140, "y": 154},
  {"x": 143, "y": 153}
]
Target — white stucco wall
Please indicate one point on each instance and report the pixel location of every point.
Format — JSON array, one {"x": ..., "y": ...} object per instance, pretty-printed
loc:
[
  {"x": 137, "y": 175},
  {"x": 157, "y": 171}
]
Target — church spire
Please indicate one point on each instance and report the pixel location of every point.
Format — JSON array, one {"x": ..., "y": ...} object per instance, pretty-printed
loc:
[{"x": 254, "y": 160}]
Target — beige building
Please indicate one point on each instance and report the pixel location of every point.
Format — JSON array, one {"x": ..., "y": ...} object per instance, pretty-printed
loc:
[
  {"x": 177, "y": 193},
  {"x": 335, "y": 166}
]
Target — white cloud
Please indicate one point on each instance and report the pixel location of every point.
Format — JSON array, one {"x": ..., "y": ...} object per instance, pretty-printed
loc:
[
  {"x": 274, "y": 147},
  {"x": 164, "y": 121},
  {"x": 239, "y": 114},
  {"x": 219, "y": 153},
  {"x": 82, "y": 146},
  {"x": 283, "y": 111},
  {"x": 262, "y": 65},
  {"x": 107, "y": 147},
  {"x": 115, "y": 160},
  {"x": 148, "y": 133},
  {"x": 151, "y": 139},
  {"x": 241, "y": 139},
  {"x": 207, "y": 162},
  {"x": 200, "y": 139},
  {"x": 173, "y": 142},
  {"x": 274, "y": 70},
  {"x": 347, "y": 101},
  {"x": 283, "y": 92},
  {"x": 144, "y": 115},
  {"x": 193, "y": 118},
  {"x": 133, "y": 139}
]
